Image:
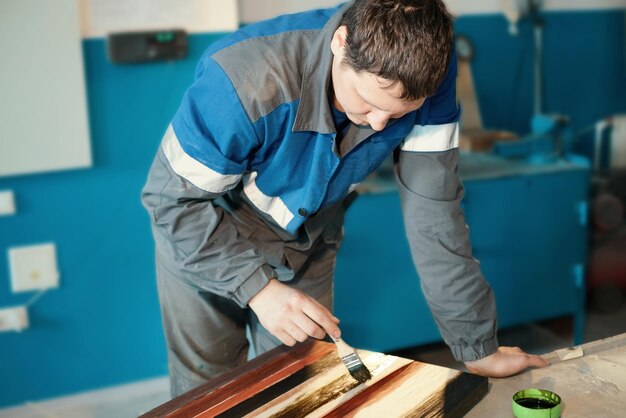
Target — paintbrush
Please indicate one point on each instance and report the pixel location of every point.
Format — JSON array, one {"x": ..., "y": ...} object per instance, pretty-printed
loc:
[{"x": 352, "y": 361}]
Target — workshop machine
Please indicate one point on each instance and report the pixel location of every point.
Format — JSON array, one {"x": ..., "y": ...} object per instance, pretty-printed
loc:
[{"x": 604, "y": 144}]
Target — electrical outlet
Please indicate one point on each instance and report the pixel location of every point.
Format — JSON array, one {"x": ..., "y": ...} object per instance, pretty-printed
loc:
[
  {"x": 7, "y": 203},
  {"x": 13, "y": 319},
  {"x": 33, "y": 267}
]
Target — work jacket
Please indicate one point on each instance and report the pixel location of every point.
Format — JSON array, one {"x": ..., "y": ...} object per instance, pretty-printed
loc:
[{"x": 254, "y": 146}]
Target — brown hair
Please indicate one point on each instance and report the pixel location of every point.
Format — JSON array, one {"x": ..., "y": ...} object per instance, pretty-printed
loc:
[{"x": 409, "y": 41}]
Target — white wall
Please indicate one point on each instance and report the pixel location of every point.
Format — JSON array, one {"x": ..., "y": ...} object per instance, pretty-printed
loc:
[
  {"x": 43, "y": 110},
  {"x": 253, "y": 10},
  {"x": 100, "y": 17}
]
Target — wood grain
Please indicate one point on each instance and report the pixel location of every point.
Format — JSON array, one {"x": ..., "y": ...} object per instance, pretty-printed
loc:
[
  {"x": 310, "y": 380},
  {"x": 269, "y": 368}
]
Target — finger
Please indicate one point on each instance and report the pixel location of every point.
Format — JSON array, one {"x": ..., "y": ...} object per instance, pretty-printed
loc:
[
  {"x": 285, "y": 338},
  {"x": 308, "y": 326},
  {"x": 322, "y": 317},
  {"x": 537, "y": 361},
  {"x": 321, "y": 307},
  {"x": 296, "y": 332}
]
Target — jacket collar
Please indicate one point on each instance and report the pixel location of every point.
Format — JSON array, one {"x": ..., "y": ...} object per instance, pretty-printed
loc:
[{"x": 314, "y": 112}]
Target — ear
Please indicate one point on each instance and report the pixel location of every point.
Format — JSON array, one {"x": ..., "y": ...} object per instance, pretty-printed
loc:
[{"x": 338, "y": 43}]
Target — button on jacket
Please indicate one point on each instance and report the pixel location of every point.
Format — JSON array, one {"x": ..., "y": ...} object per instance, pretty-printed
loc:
[{"x": 253, "y": 145}]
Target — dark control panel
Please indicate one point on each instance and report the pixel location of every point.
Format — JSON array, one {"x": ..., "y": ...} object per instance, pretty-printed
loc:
[{"x": 134, "y": 47}]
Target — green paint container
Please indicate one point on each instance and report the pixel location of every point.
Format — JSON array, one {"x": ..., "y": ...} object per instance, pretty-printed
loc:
[{"x": 536, "y": 403}]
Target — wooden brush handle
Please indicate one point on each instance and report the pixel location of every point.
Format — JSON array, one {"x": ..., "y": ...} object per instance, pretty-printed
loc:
[{"x": 343, "y": 348}]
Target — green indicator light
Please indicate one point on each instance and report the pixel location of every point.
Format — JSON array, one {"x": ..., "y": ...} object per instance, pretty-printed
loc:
[{"x": 165, "y": 37}]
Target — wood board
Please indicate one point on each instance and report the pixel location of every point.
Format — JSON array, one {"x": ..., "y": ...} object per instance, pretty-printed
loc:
[{"x": 310, "y": 380}]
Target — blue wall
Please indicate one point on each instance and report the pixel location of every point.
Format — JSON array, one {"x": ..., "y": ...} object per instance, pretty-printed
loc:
[{"x": 102, "y": 326}]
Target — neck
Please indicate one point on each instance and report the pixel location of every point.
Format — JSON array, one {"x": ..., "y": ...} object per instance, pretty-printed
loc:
[{"x": 332, "y": 99}]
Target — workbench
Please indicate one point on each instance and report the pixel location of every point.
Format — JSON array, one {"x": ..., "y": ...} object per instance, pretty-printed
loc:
[
  {"x": 593, "y": 385},
  {"x": 590, "y": 385},
  {"x": 310, "y": 380}
]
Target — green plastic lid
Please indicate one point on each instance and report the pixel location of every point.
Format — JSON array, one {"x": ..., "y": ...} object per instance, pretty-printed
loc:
[{"x": 536, "y": 403}]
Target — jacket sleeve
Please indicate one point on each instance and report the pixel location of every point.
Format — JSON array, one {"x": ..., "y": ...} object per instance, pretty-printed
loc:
[
  {"x": 204, "y": 154},
  {"x": 460, "y": 299}
]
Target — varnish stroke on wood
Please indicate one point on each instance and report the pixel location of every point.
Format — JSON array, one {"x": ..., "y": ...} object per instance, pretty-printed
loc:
[{"x": 309, "y": 380}]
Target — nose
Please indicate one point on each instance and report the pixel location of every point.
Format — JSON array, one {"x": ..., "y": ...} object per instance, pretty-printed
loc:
[{"x": 377, "y": 120}]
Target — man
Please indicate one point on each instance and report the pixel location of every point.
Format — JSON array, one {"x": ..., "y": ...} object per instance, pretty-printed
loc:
[{"x": 248, "y": 189}]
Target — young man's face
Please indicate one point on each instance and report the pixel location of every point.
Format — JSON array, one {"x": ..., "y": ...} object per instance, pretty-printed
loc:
[{"x": 366, "y": 98}]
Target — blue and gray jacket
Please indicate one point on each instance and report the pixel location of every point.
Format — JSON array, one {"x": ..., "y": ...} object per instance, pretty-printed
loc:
[{"x": 254, "y": 146}]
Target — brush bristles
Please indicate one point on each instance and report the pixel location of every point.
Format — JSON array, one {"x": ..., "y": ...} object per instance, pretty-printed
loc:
[
  {"x": 360, "y": 373},
  {"x": 356, "y": 368}
]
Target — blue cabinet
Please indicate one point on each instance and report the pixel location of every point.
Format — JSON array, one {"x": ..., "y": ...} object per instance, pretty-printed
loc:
[{"x": 528, "y": 229}]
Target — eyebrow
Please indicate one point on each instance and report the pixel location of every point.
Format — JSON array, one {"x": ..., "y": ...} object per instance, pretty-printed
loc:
[{"x": 372, "y": 104}]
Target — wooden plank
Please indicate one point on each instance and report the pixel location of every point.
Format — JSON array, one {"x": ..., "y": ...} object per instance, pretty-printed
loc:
[
  {"x": 271, "y": 366},
  {"x": 364, "y": 396},
  {"x": 310, "y": 380},
  {"x": 329, "y": 388},
  {"x": 263, "y": 400},
  {"x": 417, "y": 390}
]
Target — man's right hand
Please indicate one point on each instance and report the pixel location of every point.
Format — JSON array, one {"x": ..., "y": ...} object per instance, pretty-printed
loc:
[{"x": 291, "y": 315}]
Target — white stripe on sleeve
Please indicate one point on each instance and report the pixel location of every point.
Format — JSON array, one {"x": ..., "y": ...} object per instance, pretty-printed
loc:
[
  {"x": 273, "y": 206},
  {"x": 194, "y": 171},
  {"x": 432, "y": 138}
]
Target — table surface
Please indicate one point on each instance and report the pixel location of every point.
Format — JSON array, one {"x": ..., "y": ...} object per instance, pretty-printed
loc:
[{"x": 593, "y": 385}]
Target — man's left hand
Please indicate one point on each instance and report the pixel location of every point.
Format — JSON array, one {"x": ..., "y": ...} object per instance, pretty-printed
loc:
[{"x": 507, "y": 361}]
